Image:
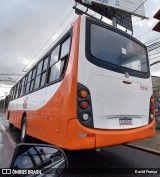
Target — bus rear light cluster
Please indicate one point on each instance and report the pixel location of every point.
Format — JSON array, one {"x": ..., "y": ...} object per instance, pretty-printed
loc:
[
  {"x": 152, "y": 110},
  {"x": 84, "y": 106},
  {"x": 85, "y": 116},
  {"x": 83, "y": 93}
]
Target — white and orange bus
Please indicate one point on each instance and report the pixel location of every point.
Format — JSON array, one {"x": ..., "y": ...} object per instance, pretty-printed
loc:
[{"x": 91, "y": 89}]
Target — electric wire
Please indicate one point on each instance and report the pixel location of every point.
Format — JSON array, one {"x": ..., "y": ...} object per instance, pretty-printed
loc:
[
  {"x": 153, "y": 40},
  {"x": 140, "y": 6},
  {"x": 48, "y": 39},
  {"x": 154, "y": 54},
  {"x": 144, "y": 34},
  {"x": 155, "y": 58}
]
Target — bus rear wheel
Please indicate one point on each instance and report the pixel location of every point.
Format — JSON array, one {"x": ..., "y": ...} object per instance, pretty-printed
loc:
[
  {"x": 23, "y": 130},
  {"x": 10, "y": 125}
]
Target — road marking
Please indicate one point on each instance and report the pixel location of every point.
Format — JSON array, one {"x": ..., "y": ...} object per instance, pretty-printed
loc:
[
  {"x": 8, "y": 135},
  {"x": 3, "y": 128},
  {"x": 11, "y": 140}
]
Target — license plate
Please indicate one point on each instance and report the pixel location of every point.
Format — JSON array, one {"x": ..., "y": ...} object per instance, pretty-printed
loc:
[{"x": 125, "y": 121}]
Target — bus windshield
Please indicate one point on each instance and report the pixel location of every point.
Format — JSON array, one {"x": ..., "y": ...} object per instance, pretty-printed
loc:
[{"x": 114, "y": 48}]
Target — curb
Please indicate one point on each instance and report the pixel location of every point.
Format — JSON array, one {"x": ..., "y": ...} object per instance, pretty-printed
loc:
[{"x": 157, "y": 153}]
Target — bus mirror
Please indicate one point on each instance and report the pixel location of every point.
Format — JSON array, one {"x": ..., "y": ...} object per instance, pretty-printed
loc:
[{"x": 38, "y": 159}]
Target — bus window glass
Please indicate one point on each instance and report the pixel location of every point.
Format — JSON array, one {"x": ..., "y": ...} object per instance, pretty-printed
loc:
[
  {"x": 43, "y": 78},
  {"x": 54, "y": 73},
  {"x": 19, "y": 88},
  {"x": 114, "y": 48},
  {"x": 29, "y": 76},
  {"x": 39, "y": 69},
  {"x": 31, "y": 87},
  {"x": 15, "y": 92},
  {"x": 23, "y": 81},
  {"x": 45, "y": 64},
  {"x": 54, "y": 55},
  {"x": 26, "y": 79},
  {"x": 27, "y": 89},
  {"x": 37, "y": 81},
  {"x": 65, "y": 48},
  {"x": 34, "y": 73},
  {"x": 25, "y": 85}
]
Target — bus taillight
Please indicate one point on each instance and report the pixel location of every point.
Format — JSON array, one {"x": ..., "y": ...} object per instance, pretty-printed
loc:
[
  {"x": 84, "y": 106},
  {"x": 152, "y": 110},
  {"x": 83, "y": 93}
]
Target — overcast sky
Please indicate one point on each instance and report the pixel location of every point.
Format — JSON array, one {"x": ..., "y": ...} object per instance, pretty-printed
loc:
[{"x": 26, "y": 25}]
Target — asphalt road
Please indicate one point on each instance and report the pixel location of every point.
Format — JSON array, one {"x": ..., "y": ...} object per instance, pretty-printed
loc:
[{"x": 110, "y": 161}]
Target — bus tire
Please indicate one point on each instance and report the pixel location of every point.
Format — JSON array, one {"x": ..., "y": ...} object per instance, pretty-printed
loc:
[
  {"x": 23, "y": 130},
  {"x": 10, "y": 125}
]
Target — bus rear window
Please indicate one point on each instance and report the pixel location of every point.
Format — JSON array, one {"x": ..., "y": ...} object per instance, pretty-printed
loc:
[{"x": 114, "y": 48}]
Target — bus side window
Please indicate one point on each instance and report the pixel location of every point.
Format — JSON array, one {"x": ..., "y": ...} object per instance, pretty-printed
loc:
[
  {"x": 32, "y": 80},
  {"x": 15, "y": 91},
  {"x": 28, "y": 84},
  {"x": 54, "y": 65},
  {"x": 58, "y": 61},
  {"x": 11, "y": 94},
  {"x": 37, "y": 79},
  {"x": 25, "y": 84},
  {"x": 65, "y": 49},
  {"x": 19, "y": 88},
  {"x": 43, "y": 73},
  {"x": 22, "y": 88}
]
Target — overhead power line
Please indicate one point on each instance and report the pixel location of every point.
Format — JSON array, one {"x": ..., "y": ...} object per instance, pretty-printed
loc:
[
  {"x": 155, "y": 58},
  {"x": 154, "y": 54},
  {"x": 5, "y": 87},
  {"x": 5, "y": 80},
  {"x": 144, "y": 34},
  {"x": 11, "y": 74},
  {"x": 155, "y": 63},
  {"x": 154, "y": 48},
  {"x": 136, "y": 21},
  {"x": 153, "y": 40},
  {"x": 49, "y": 39},
  {"x": 154, "y": 44},
  {"x": 140, "y": 6}
]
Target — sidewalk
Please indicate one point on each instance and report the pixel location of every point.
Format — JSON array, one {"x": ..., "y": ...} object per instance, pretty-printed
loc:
[{"x": 151, "y": 145}]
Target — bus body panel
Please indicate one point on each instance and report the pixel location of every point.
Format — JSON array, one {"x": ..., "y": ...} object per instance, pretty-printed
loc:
[
  {"x": 69, "y": 95},
  {"x": 86, "y": 138},
  {"x": 29, "y": 102},
  {"x": 113, "y": 99}
]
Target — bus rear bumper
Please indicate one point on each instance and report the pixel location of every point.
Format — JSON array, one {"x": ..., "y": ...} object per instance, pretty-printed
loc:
[{"x": 80, "y": 137}]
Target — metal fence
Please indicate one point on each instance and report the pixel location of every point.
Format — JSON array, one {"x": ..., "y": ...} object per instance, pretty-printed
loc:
[{"x": 156, "y": 93}]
